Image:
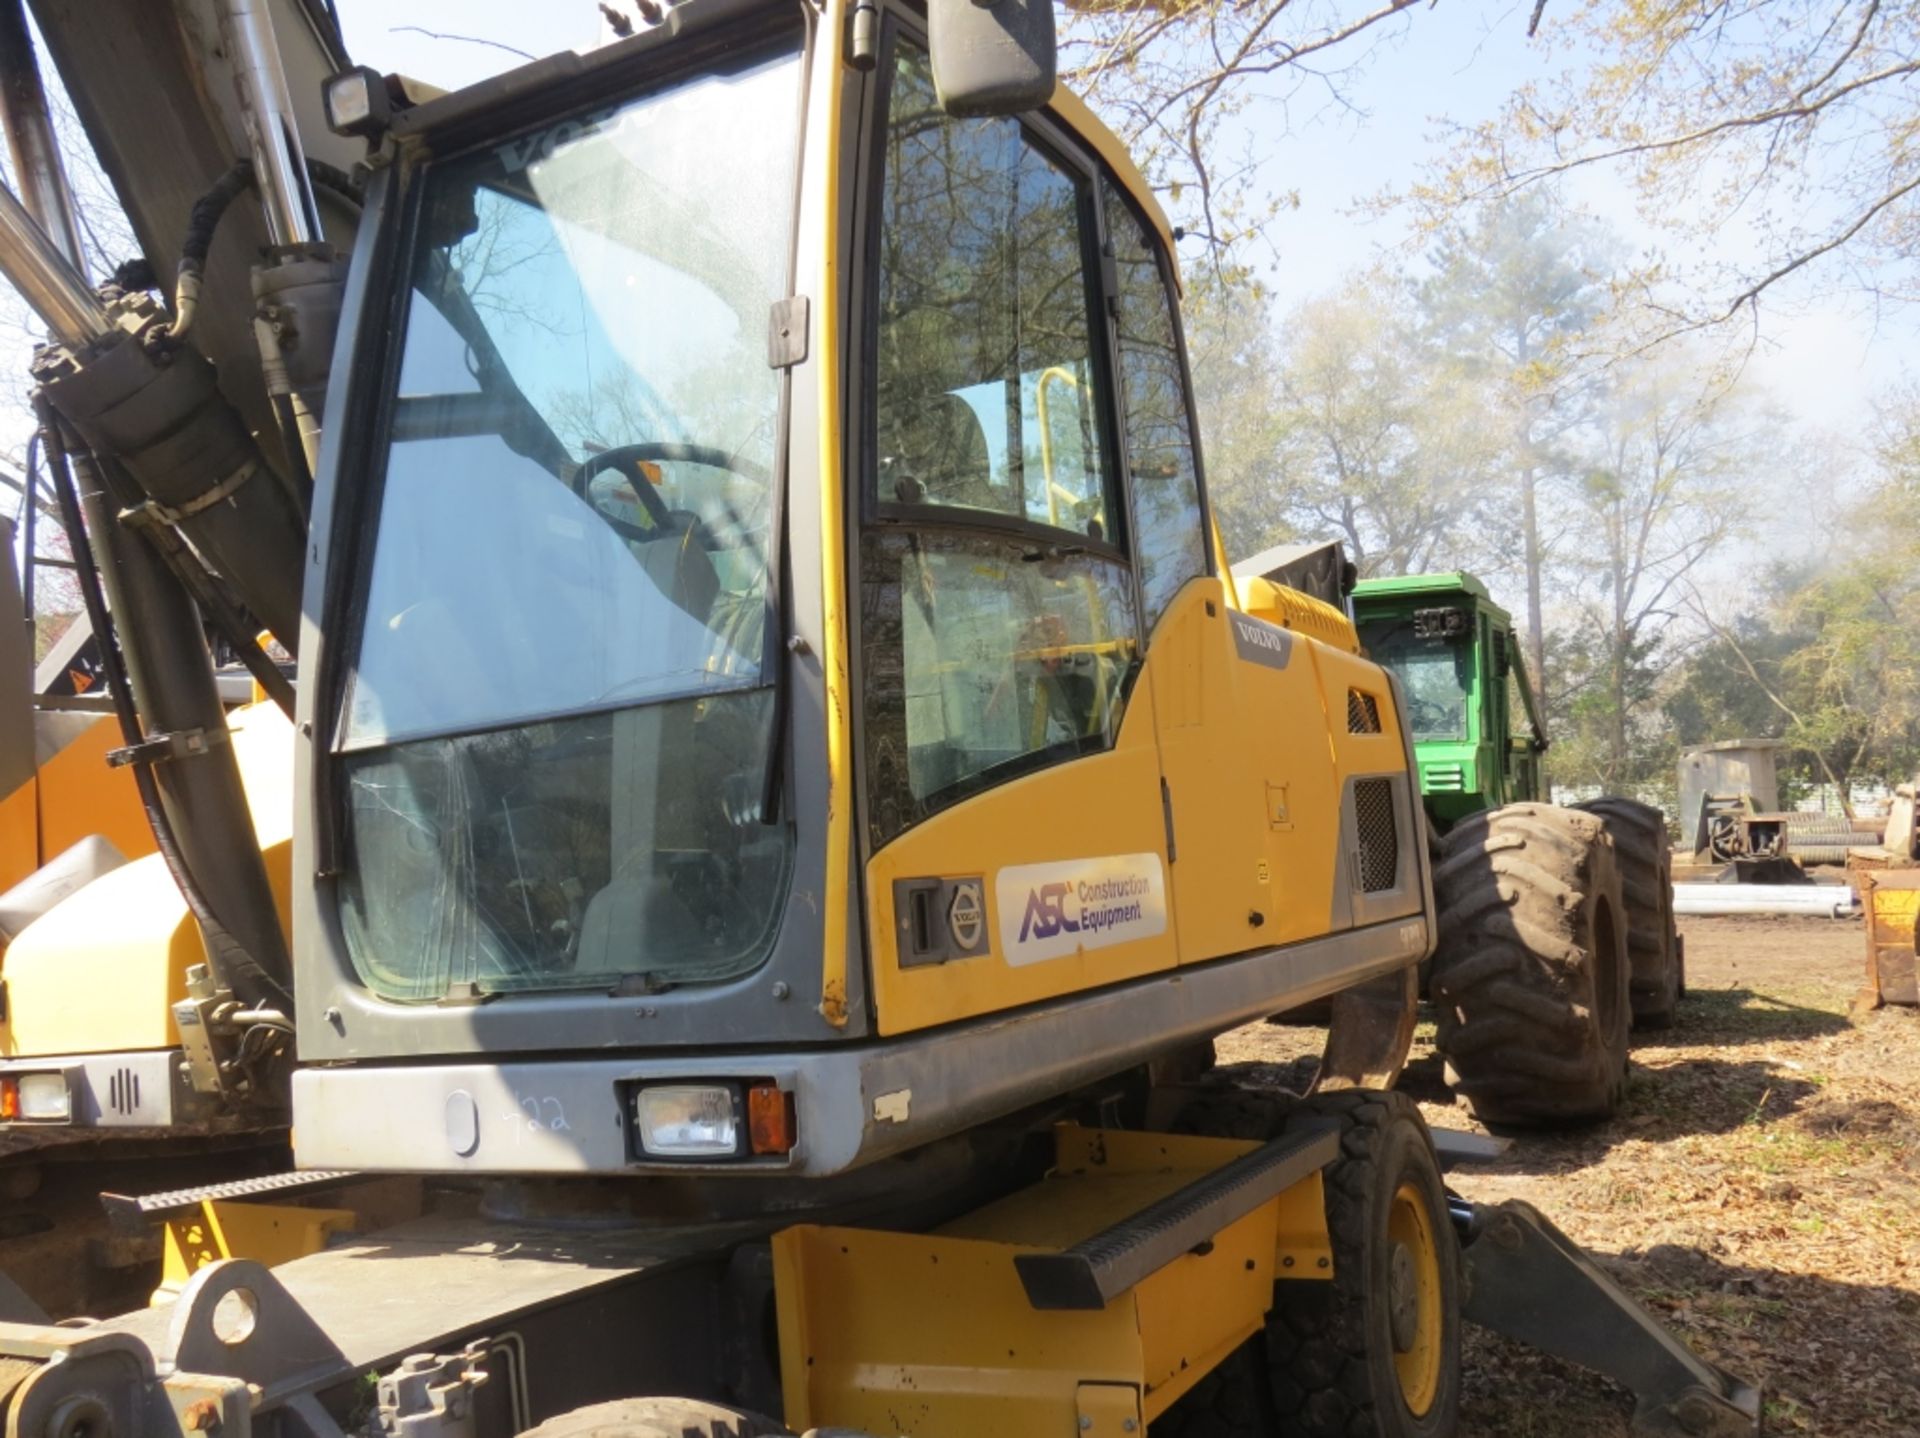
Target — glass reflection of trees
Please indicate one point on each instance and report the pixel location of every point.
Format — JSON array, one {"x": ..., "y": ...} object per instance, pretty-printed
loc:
[
  {"x": 1171, "y": 540},
  {"x": 983, "y": 320}
]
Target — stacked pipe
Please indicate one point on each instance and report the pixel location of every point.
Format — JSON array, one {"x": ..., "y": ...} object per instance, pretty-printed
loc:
[
  {"x": 1825, "y": 838},
  {"x": 1827, "y": 901}
]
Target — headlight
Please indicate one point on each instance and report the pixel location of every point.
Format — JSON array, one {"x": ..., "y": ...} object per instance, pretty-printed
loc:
[
  {"x": 44, "y": 1098},
  {"x": 687, "y": 1120},
  {"x": 357, "y": 102}
]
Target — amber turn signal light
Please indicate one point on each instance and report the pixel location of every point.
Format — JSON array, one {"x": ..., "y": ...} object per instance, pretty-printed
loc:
[{"x": 770, "y": 1125}]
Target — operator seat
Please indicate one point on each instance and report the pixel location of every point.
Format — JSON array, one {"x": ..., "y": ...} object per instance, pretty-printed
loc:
[
  {"x": 679, "y": 564},
  {"x": 940, "y": 456}
]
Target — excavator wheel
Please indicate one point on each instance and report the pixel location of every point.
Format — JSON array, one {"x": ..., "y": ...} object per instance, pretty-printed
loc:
[
  {"x": 1645, "y": 859},
  {"x": 657, "y": 1418},
  {"x": 1376, "y": 1351},
  {"x": 1233, "y": 1401},
  {"x": 1530, "y": 975}
]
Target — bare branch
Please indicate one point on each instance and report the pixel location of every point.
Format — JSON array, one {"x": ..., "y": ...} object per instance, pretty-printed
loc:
[{"x": 467, "y": 39}]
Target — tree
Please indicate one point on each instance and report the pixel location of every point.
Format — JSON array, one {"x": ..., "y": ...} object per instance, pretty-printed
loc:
[
  {"x": 1375, "y": 444},
  {"x": 1168, "y": 74},
  {"x": 1234, "y": 362},
  {"x": 1677, "y": 459},
  {"x": 1790, "y": 120},
  {"x": 1510, "y": 291},
  {"x": 1824, "y": 656}
]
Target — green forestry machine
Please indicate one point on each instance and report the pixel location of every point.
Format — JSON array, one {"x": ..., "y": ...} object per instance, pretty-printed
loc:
[{"x": 1556, "y": 924}]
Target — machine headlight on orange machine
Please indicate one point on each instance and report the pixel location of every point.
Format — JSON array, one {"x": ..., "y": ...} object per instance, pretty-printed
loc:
[{"x": 35, "y": 1098}]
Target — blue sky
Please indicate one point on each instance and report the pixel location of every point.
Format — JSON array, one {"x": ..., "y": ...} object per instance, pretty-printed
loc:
[{"x": 1822, "y": 357}]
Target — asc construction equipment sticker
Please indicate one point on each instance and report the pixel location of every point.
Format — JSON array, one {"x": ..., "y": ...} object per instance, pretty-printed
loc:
[{"x": 1048, "y": 911}]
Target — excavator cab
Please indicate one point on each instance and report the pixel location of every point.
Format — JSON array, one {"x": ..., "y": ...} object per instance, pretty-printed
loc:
[
  {"x": 765, "y": 632},
  {"x": 771, "y": 703}
]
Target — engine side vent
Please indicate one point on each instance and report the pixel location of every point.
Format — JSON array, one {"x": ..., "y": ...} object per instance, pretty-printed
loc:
[
  {"x": 123, "y": 1091},
  {"x": 1379, "y": 840},
  {"x": 1363, "y": 712},
  {"x": 1444, "y": 778}
]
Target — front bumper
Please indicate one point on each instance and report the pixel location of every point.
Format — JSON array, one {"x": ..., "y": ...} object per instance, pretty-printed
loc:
[{"x": 854, "y": 1103}]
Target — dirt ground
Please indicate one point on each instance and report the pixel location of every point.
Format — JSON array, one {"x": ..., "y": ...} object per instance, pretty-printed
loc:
[{"x": 1760, "y": 1191}]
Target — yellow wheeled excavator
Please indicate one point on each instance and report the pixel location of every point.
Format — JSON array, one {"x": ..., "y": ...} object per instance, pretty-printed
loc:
[{"x": 786, "y": 785}]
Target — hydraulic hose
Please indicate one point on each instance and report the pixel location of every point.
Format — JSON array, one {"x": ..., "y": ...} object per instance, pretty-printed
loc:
[
  {"x": 230, "y": 961},
  {"x": 204, "y": 219}
]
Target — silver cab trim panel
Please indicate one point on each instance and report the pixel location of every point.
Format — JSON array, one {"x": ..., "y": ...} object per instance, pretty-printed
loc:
[{"x": 853, "y": 1103}]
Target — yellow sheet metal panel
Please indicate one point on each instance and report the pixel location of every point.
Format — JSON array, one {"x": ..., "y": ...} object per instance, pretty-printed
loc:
[
  {"x": 1302, "y": 613},
  {"x": 1100, "y": 1176},
  {"x": 933, "y": 1333},
  {"x": 915, "y": 1334},
  {"x": 1891, "y": 898},
  {"x": 1249, "y": 770},
  {"x": 19, "y": 833},
  {"x": 1300, "y": 1212},
  {"x": 1199, "y": 1308},
  {"x": 100, "y": 972},
  {"x": 81, "y": 795},
  {"x": 1215, "y": 791},
  {"x": 1033, "y": 842},
  {"x": 269, "y": 1233},
  {"x": 1109, "y": 1410}
]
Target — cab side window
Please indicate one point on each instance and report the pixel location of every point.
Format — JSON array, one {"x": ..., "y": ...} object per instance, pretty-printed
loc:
[
  {"x": 998, "y": 622},
  {"x": 987, "y": 400},
  {"x": 1171, "y": 540}
]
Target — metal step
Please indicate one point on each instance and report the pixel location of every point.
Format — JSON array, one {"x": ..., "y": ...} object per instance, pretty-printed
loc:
[
  {"x": 131, "y": 1212},
  {"x": 1098, "y": 1269}
]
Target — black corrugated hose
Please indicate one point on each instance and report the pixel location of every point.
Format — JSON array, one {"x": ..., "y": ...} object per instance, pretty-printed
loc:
[{"x": 226, "y": 953}]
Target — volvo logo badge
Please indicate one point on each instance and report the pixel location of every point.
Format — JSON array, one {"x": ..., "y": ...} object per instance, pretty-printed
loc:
[{"x": 967, "y": 915}]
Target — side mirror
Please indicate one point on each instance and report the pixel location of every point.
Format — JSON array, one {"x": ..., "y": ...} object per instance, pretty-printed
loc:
[{"x": 992, "y": 57}]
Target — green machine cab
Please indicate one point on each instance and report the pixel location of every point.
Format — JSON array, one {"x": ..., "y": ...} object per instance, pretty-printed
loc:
[{"x": 1477, "y": 735}]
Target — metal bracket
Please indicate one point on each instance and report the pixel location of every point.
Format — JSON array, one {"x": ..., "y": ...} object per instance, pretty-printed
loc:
[
  {"x": 431, "y": 1396},
  {"x": 158, "y": 748},
  {"x": 787, "y": 332},
  {"x": 154, "y": 512},
  {"x": 234, "y": 1320},
  {"x": 1529, "y": 1281}
]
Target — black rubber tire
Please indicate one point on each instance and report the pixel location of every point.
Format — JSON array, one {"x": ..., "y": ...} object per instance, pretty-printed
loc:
[
  {"x": 657, "y": 1418},
  {"x": 1330, "y": 1345},
  {"x": 1645, "y": 860},
  {"x": 1221, "y": 1108},
  {"x": 1530, "y": 973},
  {"x": 1233, "y": 1401}
]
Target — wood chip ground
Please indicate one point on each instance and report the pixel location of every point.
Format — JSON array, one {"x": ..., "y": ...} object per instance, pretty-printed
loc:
[{"x": 1760, "y": 1191}]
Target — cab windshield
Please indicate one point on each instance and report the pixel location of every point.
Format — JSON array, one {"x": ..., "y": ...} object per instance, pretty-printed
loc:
[
  {"x": 1435, "y": 676},
  {"x": 556, "y": 727}
]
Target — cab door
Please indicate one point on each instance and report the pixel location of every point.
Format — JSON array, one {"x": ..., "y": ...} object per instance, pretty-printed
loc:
[{"x": 1012, "y": 802}]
